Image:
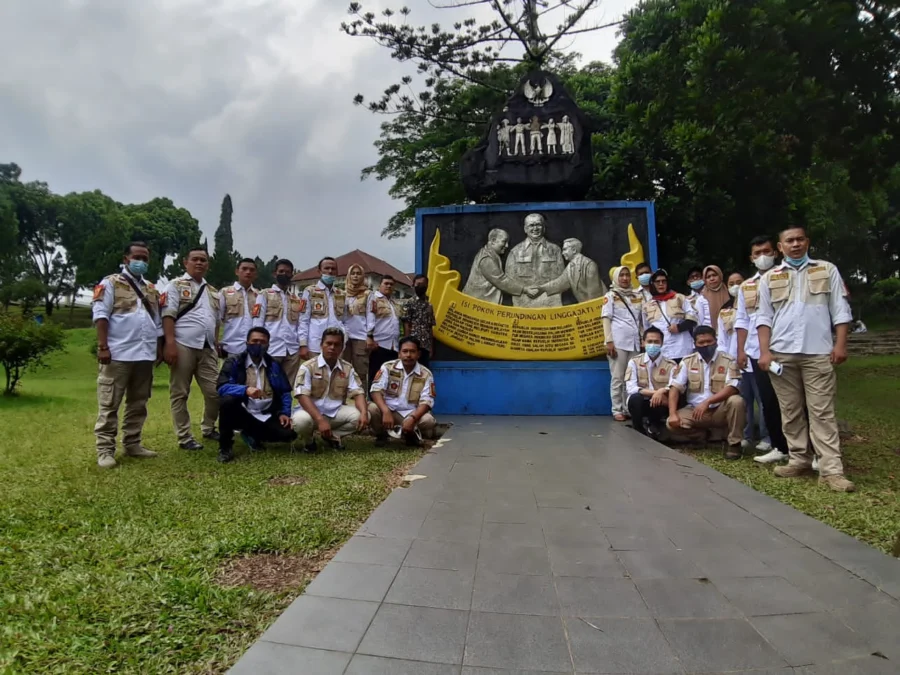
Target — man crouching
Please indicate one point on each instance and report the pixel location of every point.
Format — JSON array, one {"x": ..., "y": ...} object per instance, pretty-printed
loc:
[
  {"x": 254, "y": 396},
  {"x": 322, "y": 388},
  {"x": 403, "y": 395}
]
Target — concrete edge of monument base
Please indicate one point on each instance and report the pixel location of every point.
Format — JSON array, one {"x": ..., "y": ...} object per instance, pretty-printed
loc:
[{"x": 522, "y": 388}]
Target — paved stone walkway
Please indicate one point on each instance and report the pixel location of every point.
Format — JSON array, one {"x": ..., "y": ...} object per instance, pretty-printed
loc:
[{"x": 564, "y": 545}]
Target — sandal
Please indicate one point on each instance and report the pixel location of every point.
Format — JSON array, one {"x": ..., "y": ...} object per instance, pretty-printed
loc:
[{"x": 619, "y": 417}]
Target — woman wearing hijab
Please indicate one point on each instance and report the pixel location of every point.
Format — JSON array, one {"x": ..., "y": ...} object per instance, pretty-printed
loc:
[
  {"x": 357, "y": 297},
  {"x": 715, "y": 292},
  {"x": 621, "y": 315},
  {"x": 671, "y": 313},
  {"x": 727, "y": 338}
]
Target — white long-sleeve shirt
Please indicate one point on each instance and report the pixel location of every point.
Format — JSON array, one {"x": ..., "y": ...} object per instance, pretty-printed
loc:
[
  {"x": 282, "y": 328},
  {"x": 314, "y": 321},
  {"x": 235, "y": 329},
  {"x": 748, "y": 314},
  {"x": 197, "y": 328},
  {"x": 624, "y": 314},
  {"x": 386, "y": 328},
  {"x": 133, "y": 332},
  {"x": 660, "y": 314},
  {"x": 701, "y": 308},
  {"x": 801, "y": 306}
]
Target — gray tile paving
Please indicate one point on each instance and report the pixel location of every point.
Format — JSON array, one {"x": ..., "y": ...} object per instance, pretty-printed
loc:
[{"x": 587, "y": 549}]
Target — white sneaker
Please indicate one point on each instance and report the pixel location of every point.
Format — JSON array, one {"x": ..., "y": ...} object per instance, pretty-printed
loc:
[
  {"x": 764, "y": 446},
  {"x": 106, "y": 461},
  {"x": 745, "y": 444},
  {"x": 774, "y": 455},
  {"x": 815, "y": 464}
]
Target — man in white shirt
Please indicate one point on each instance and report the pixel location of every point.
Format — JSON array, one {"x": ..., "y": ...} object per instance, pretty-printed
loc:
[
  {"x": 126, "y": 314},
  {"x": 255, "y": 398},
  {"x": 643, "y": 271},
  {"x": 236, "y": 305},
  {"x": 323, "y": 307},
  {"x": 710, "y": 380},
  {"x": 762, "y": 255},
  {"x": 647, "y": 385},
  {"x": 323, "y": 385},
  {"x": 383, "y": 319},
  {"x": 800, "y": 301},
  {"x": 403, "y": 395},
  {"x": 698, "y": 302},
  {"x": 190, "y": 311},
  {"x": 278, "y": 311}
]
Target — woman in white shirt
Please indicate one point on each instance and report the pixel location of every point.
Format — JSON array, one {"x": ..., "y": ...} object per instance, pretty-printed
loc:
[
  {"x": 727, "y": 338},
  {"x": 672, "y": 314},
  {"x": 621, "y": 316},
  {"x": 355, "y": 320}
]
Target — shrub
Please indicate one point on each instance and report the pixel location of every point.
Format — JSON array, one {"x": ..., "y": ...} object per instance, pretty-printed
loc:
[
  {"x": 886, "y": 296},
  {"x": 23, "y": 346}
]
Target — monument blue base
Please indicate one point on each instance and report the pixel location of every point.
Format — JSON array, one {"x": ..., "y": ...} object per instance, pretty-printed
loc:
[{"x": 522, "y": 387}]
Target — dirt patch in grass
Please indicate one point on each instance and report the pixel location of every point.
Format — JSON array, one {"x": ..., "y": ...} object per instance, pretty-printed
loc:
[
  {"x": 272, "y": 572},
  {"x": 287, "y": 480}
]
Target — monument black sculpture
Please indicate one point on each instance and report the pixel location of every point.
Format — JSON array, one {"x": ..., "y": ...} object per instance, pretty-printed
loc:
[{"x": 537, "y": 149}]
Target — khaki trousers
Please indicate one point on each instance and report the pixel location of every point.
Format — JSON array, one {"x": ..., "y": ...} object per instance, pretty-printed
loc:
[
  {"x": 290, "y": 364},
  {"x": 342, "y": 424},
  {"x": 202, "y": 365},
  {"x": 357, "y": 354},
  {"x": 425, "y": 425},
  {"x": 809, "y": 382},
  {"x": 133, "y": 381},
  {"x": 617, "y": 368},
  {"x": 730, "y": 415}
]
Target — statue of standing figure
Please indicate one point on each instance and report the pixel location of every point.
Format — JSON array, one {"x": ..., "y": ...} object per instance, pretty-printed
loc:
[
  {"x": 503, "y": 137},
  {"x": 551, "y": 127},
  {"x": 535, "y": 128},
  {"x": 520, "y": 128},
  {"x": 567, "y": 136}
]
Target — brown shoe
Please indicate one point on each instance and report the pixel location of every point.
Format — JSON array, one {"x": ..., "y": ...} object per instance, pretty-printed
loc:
[
  {"x": 792, "y": 471},
  {"x": 837, "y": 483},
  {"x": 140, "y": 451},
  {"x": 733, "y": 452}
]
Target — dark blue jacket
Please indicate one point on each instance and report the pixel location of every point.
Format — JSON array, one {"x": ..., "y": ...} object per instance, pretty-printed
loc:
[{"x": 233, "y": 382}]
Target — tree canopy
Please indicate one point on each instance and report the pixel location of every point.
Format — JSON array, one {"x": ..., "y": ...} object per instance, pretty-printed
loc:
[{"x": 735, "y": 118}]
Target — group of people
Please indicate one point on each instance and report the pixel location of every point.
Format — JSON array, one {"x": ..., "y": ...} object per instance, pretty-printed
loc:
[
  {"x": 291, "y": 362},
  {"x": 732, "y": 345}
]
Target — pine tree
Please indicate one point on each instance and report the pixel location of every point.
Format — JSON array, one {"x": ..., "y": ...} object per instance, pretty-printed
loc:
[{"x": 224, "y": 258}]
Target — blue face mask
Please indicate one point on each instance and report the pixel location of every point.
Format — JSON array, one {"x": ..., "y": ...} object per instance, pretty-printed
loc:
[
  {"x": 644, "y": 279},
  {"x": 327, "y": 279},
  {"x": 697, "y": 284},
  {"x": 653, "y": 350},
  {"x": 256, "y": 352},
  {"x": 797, "y": 262},
  {"x": 137, "y": 267}
]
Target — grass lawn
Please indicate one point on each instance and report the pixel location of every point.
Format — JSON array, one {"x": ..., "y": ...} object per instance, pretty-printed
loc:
[
  {"x": 868, "y": 395},
  {"x": 113, "y": 571}
]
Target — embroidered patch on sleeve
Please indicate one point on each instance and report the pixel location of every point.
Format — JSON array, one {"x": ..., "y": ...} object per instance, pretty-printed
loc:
[
  {"x": 98, "y": 292},
  {"x": 256, "y": 311}
]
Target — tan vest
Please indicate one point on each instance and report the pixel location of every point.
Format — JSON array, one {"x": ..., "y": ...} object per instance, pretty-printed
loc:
[
  {"x": 661, "y": 374},
  {"x": 381, "y": 307},
  {"x": 818, "y": 284},
  {"x": 318, "y": 302},
  {"x": 722, "y": 369},
  {"x": 323, "y": 386},
  {"x": 674, "y": 309},
  {"x": 234, "y": 302},
  {"x": 727, "y": 317},
  {"x": 395, "y": 382},
  {"x": 125, "y": 300},
  {"x": 251, "y": 380},
  {"x": 750, "y": 291},
  {"x": 356, "y": 304},
  {"x": 275, "y": 308},
  {"x": 186, "y": 295}
]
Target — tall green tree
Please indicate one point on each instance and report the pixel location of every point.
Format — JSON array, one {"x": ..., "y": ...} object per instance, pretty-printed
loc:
[
  {"x": 224, "y": 258},
  {"x": 167, "y": 229}
]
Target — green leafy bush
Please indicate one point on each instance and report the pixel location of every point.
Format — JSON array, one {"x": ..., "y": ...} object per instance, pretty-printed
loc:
[
  {"x": 23, "y": 346},
  {"x": 887, "y": 295}
]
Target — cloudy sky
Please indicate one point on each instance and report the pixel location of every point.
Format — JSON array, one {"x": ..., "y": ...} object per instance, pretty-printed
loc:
[{"x": 191, "y": 99}]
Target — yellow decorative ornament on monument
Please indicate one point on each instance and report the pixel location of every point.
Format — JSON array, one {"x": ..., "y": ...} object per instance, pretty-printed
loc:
[{"x": 498, "y": 332}]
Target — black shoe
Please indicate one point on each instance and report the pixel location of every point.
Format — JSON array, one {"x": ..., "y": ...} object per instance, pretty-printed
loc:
[
  {"x": 653, "y": 430},
  {"x": 733, "y": 451},
  {"x": 311, "y": 447},
  {"x": 381, "y": 440},
  {"x": 212, "y": 435},
  {"x": 412, "y": 441},
  {"x": 225, "y": 456},
  {"x": 337, "y": 444},
  {"x": 191, "y": 445}
]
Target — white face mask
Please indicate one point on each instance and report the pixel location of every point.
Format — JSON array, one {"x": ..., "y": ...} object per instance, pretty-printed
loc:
[
  {"x": 764, "y": 262},
  {"x": 734, "y": 290}
]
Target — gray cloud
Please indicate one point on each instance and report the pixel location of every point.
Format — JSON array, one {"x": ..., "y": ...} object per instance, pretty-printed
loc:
[{"x": 195, "y": 98}]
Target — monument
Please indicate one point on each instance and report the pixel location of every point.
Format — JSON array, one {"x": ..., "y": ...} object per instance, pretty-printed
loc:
[{"x": 518, "y": 280}]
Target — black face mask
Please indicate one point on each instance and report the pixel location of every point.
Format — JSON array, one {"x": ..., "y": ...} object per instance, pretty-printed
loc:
[
  {"x": 421, "y": 291},
  {"x": 283, "y": 279},
  {"x": 707, "y": 352},
  {"x": 256, "y": 352}
]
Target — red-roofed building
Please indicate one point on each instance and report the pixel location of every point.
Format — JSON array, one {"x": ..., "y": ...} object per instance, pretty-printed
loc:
[{"x": 375, "y": 268}]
